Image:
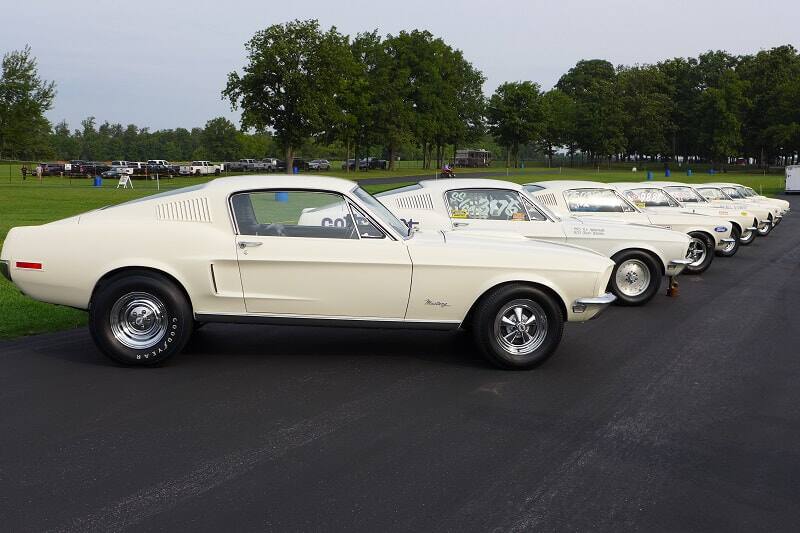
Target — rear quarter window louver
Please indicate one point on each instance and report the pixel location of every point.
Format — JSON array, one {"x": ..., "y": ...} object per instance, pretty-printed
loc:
[
  {"x": 189, "y": 210},
  {"x": 547, "y": 198},
  {"x": 415, "y": 201}
]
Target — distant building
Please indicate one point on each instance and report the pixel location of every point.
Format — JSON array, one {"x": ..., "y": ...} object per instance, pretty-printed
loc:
[{"x": 473, "y": 158}]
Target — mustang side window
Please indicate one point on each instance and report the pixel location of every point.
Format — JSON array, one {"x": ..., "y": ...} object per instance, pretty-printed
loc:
[
  {"x": 486, "y": 204},
  {"x": 595, "y": 201},
  {"x": 712, "y": 194},
  {"x": 310, "y": 214}
]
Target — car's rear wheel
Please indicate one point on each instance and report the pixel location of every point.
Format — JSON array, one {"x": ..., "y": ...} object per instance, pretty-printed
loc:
[
  {"x": 701, "y": 252},
  {"x": 765, "y": 228},
  {"x": 518, "y": 327},
  {"x": 730, "y": 248},
  {"x": 635, "y": 279},
  {"x": 140, "y": 318}
]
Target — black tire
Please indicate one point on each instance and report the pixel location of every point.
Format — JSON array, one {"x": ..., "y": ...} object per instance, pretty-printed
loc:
[
  {"x": 731, "y": 248},
  {"x": 633, "y": 262},
  {"x": 141, "y": 293},
  {"x": 748, "y": 236},
  {"x": 197, "y": 172},
  {"x": 767, "y": 229},
  {"x": 487, "y": 326},
  {"x": 709, "y": 245},
  {"x": 217, "y": 172}
]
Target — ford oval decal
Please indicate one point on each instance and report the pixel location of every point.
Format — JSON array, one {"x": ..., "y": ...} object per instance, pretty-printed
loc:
[{"x": 720, "y": 229}]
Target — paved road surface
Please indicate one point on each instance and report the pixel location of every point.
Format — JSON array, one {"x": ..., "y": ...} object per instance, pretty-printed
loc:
[{"x": 684, "y": 415}]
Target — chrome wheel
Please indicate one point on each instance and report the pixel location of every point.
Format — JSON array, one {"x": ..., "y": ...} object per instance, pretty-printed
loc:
[
  {"x": 729, "y": 246},
  {"x": 138, "y": 320},
  {"x": 520, "y": 327},
  {"x": 697, "y": 252},
  {"x": 632, "y": 278},
  {"x": 765, "y": 228},
  {"x": 747, "y": 236}
]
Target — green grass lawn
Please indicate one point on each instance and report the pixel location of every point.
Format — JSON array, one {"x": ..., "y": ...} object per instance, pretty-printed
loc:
[{"x": 32, "y": 202}]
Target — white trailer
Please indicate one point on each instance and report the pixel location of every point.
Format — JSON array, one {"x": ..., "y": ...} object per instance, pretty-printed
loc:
[{"x": 793, "y": 178}]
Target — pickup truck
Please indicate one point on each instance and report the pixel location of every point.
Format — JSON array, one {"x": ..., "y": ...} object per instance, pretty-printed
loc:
[
  {"x": 161, "y": 166},
  {"x": 268, "y": 164},
  {"x": 200, "y": 168}
]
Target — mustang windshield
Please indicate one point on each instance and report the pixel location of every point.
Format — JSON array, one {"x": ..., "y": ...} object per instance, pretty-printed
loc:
[
  {"x": 686, "y": 195},
  {"x": 380, "y": 210},
  {"x": 733, "y": 193},
  {"x": 712, "y": 193}
]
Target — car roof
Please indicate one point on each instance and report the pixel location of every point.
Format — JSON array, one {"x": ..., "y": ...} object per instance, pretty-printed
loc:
[
  {"x": 626, "y": 185},
  {"x": 563, "y": 185},
  {"x": 288, "y": 181},
  {"x": 469, "y": 183},
  {"x": 720, "y": 184}
]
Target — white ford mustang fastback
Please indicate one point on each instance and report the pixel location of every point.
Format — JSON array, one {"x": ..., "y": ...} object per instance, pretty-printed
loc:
[
  {"x": 593, "y": 199},
  {"x": 654, "y": 198},
  {"x": 642, "y": 254},
  {"x": 739, "y": 193},
  {"x": 254, "y": 249}
]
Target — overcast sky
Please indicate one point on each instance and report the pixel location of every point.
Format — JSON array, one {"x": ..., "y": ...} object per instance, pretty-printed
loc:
[{"x": 162, "y": 64}]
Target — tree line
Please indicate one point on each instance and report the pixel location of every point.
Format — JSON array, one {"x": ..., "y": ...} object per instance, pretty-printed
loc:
[{"x": 309, "y": 91}]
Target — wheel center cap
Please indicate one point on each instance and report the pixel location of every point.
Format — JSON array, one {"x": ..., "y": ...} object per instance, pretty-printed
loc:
[
  {"x": 522, "y": 328},
  {"x": 631, "y": 277},
  {"x": 141, "y": 318}
]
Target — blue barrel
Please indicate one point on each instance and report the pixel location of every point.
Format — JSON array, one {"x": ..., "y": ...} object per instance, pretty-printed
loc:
[
  {"x": 667, "y": 173},
  {"x": 295, "y": 170},
  {"x": 98, "y": 181},
  {"x": 710, "y": 170},
  {"x": 688, "y": 171},
  {"x": 282, "y": 196},
  {"x": 649, "y": 174}
]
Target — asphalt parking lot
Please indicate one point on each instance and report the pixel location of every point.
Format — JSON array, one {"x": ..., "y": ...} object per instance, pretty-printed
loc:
[{"x": 680, "y": 416}]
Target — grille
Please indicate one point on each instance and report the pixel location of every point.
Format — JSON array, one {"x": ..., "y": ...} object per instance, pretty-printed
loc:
[
  {"x": 416, "y": 201},
  {"x": 190, "y": 210}
]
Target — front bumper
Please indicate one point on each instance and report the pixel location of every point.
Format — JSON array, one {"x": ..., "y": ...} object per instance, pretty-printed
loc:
[
  {"x": 589, "y": 308},
  {"x": 676, "y": 266}
]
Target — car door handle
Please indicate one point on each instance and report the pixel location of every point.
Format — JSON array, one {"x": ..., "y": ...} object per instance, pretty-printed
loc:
[
  {"x": 459, "y": 224},
  {"x": 249, "y": 244}
]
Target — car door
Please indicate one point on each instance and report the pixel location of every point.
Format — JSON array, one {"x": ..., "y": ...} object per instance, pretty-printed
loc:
[
  {"x": 499, "y": 210},
  {"x": 313, "y": 253}
]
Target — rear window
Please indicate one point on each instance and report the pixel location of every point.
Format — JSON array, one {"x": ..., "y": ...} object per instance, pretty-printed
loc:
[{"x": 596, "y": 201}]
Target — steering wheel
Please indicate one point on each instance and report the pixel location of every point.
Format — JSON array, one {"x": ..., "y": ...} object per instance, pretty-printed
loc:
[{"x": 275, "y": 228}]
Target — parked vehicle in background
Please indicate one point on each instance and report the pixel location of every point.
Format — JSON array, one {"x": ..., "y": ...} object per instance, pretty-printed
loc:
[
  {"x": 115, "y": 172},
  {"x": 473, "y": 158},
  {"x": 601, "y": 200},
  {"x": 765, "y": 214},
  {"x": 366, "y": 163},
  {"x": 642, "y": 254},
  {"x": 52, "y": 169},
  {"x": 200, "y": 168},
  {"x": 268, "y": 164},
  {"x": 161, "y": 167},
  {"x": 792, "y": 179},
  {"x": 319, "y": 164},
  {"x": 740, "y": 193},
  {"x": 653, "y": 198},
  {"x": 90, "y": 168}
]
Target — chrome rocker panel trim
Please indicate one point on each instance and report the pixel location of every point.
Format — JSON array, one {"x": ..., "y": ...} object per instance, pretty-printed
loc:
[{"x": 282, "y": 320}]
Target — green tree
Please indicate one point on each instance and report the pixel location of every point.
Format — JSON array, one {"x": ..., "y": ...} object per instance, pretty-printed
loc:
[
  {"x": 515, "y": 115},
  {"x": 599, "y": 116},
  {"x": 644, "y": 93},
  {"x": 24, "y": 99},
  {"x": 558, "y": 123},
  {"x": 289, "y": 83},
  {"x": 220, "y": 140}
]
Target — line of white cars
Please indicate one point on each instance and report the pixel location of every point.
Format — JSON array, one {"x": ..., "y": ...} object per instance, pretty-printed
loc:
[{"x": 509, "y": 263}]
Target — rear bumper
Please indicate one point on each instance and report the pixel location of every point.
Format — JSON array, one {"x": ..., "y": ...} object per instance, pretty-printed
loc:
[
  {"x": 589, "y": 308},
  {"x": 5, "y": 269}
]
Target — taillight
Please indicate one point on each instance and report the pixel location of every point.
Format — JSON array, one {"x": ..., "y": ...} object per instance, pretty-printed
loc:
[{"x": 29, "y": 265}]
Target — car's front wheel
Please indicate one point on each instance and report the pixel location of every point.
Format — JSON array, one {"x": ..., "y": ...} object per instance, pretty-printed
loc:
[
  {"x": 518, "y": 327},
  {"x": 140, "y": 318},
  {"x": 748, "y": 235},
  {"x": 635, "y": 279},
  {"x": 701, "y": 252},
  {"x": 765, "y": 228},
  {"x": 730, "y": 248}
]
